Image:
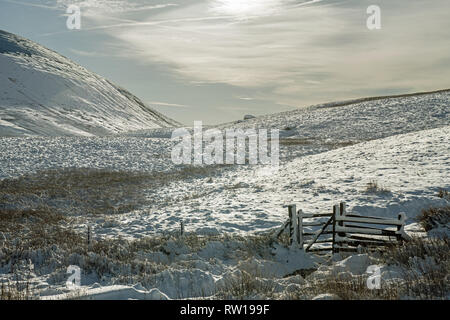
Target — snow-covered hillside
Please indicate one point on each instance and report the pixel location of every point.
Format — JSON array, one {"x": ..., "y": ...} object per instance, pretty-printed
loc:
[
  {"x": 44, "y": 93},
  {"x": 358, "y": 120},
  {"x": 326, "y": 126}
]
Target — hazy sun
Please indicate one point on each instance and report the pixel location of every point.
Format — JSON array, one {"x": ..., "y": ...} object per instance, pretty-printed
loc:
[{"x": 245, "y": 7}]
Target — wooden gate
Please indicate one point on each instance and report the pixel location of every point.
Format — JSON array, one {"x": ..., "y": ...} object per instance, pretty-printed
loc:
[{"x": 341, "y": 231}]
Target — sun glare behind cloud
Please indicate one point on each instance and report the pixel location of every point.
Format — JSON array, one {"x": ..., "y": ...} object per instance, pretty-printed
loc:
[{"x": 246, "y": 8}]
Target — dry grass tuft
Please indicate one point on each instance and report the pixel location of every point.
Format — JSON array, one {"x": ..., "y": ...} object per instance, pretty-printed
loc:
[
  {"x": 444, "y": 194},
  {"x": 426, "y": 264},
  {"x": 9, "y": 291},
  {"x": 346, "y": 288},
  {"x": 434, "y": 217},
  {"x": 438, "y": 248},
  {"x": 313, "y": 141},
  {"x": 296, "y": 142},
  {"x": 375, "y": 188},
  {"x": 243, "y": 286}
]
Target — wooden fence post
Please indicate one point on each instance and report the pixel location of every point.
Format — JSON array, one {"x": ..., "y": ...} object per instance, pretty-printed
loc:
[
  {"x": 89, "y": 236},
  {"x": 291, "y": 231},
  {"x": 400, "y": 227},
  {"x": 293, "y": 225},
  {"x": 342, "y": 215},
  {"x": 181, "y": 228},
  {"x": 300, "y": 228},
  {"x": 335, "y": 210}
]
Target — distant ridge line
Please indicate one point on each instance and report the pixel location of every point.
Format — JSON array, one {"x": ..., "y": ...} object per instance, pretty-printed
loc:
[{"x": 359, "y": 100}]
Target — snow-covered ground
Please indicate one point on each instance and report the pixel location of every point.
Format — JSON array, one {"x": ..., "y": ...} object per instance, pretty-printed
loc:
[
  {"x": 403, "y": 144},
  {"x": 44, "y": 93},
  {"x": 413, "y": 167}
]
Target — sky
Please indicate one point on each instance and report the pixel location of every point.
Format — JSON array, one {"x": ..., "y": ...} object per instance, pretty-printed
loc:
[{"x": 218, "y": 60}]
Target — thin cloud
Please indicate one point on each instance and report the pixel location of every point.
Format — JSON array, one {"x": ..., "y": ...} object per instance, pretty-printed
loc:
[
  {"x": 290, "y": 52},
  {"x": 29, "y": 4},
  {"x": 113, "y": 6},
  {"x": 166, "y": 104},
  {"x": 155, "y": 7},
  {"x": 301, "y": 50},
  {"x": 87, "y": 53}
]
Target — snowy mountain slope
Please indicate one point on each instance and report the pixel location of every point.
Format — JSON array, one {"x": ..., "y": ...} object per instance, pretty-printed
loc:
[
  {"x": 358, "y": 120},
  {"x": 44, "y": 93},
  {"x": 348, "y": 121},
  {"x": 327, "y": 126}
]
